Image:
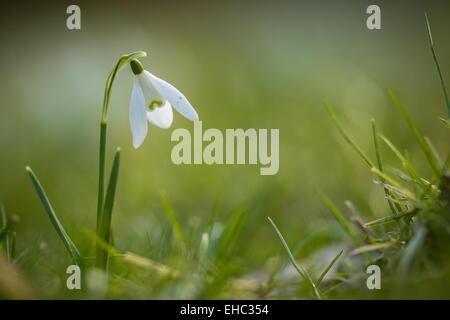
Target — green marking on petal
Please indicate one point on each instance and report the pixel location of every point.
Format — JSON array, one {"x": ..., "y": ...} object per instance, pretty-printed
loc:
[{"x": 157, "y": 102}]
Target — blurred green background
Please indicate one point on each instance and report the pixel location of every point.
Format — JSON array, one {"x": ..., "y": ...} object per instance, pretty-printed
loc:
[{"x": 241, "y": 65}]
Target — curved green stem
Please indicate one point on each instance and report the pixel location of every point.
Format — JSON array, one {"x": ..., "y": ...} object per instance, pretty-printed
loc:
[{"x": 103, "y": 126}]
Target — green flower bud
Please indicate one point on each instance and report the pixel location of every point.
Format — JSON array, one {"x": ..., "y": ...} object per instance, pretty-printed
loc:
[{"x": 136, "y": 66}]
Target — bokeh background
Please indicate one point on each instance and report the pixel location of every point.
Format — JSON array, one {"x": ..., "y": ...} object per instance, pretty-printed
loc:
[{"x": 241, "y": 64}]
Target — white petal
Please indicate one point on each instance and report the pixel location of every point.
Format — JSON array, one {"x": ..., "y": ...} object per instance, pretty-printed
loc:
[
  {"x": 149, "y": 90},
  {"x": 161, "y": 116},
  {"x": 175, "y": 97},
  {"x": 138, "y": 117}
]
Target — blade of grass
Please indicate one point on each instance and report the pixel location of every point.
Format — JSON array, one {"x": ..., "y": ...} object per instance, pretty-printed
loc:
[
  {"x": 347, "y": 137},
  {"x": 380, "y": 166},
  {"x": 391, "y": 218},
  {"x": 435, "y": 153},
  {"x": 231, "y": 234},
  {"x": 94, "y": 238},
  {"x": 326, "y": 292},
  {"x": 212, "y": 215},
  {"x": 411, "y": 249},
  {"x": 104, "y": 229},
  {"x": 423, "y": 144},
  {"x": 436, "y": 62},
  {"x": 4, "y": 230},
  {"x": 3, "y": 214},
  {"x": 373, "y": 247},
  {"x": 20, "y": 256},
  {"x": 405, "y": 163},
  {"x": 302, "y": 271},
  {"x": 150, "y": 265},
  {"x": 168, "y": 209},
  {"x": 340, "y": 218},
  {"x": 393, "y": 183},
  {"x": 445, "y": 122},
  {"x": 282, "y": 264},
  {"x": 12, "y": 249},
  {"x": 67, "y": 241},
  {"x": 393, "y": 148},
  {"x": 203, "y": 251},
  {"x": 324, "y": 272}
]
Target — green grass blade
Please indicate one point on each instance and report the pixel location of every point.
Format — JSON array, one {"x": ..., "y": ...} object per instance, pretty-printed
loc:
[
  {"x": 3, "y": 214},
  {"x": 282, "y": 264},
  {"x": 4, "y": 230},
  {"x": 148, "y": 264},
  {"x": 326, "y": 292},
  {"x": 302, "y": 271},
  {"x": 389, "y": 218},
  {"x": 375, "y": 143},
  {"x": 394, "y": 183},
  {"x": 411, "y": 250},
  {"x": 94, "y": 238},
  {"x": 380, "y": 166},
  {"x": 202, "y": 254},
  {"x": 340, "y": 218},
  {"x": 347, "y": 137},
  {"x": 174, "y": 221},
  {"x": 393, "y": 148},
  {"x": 68, "y": 243},
  {"x": 436, "y": 62},
  {"x": 423, "y": 144},
  {"x": 104, "y": 229},
  {"x": 405, "y": 162},
  {"x": 435, "y": 153},
  {"x": 373, "y": 247},
  {"x": 324, "y": 272},
  {"x": 231, "y": 234},
  {"x": 12, "y": 247},
  {"x": 445, "y": 122},
  {"x": 212, "y": 215}
]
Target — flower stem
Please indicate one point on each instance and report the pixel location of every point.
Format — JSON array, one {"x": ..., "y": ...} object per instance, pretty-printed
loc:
[{"x": 102, "y": 222}]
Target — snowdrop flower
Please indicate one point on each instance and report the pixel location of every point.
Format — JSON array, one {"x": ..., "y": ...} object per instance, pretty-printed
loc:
[{"x": 152, "y": 100}]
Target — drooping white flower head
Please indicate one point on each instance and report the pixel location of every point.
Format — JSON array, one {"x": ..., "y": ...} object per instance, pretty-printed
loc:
[{"x": 152, "y": 100}]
